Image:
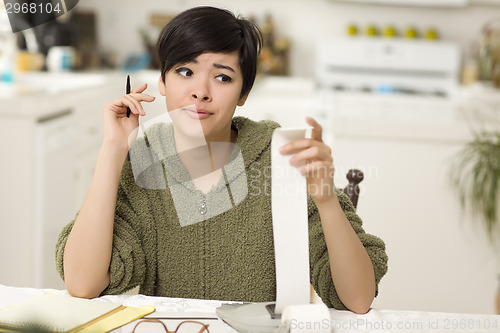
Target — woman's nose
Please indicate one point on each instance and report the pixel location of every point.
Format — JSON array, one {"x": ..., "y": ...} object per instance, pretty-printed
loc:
[
  {"x": 201, "y": 93},
  {"x": 201, "y": 97}
]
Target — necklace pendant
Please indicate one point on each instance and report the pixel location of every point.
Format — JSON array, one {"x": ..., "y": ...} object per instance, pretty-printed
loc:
[{"x": 203, "y": 208}]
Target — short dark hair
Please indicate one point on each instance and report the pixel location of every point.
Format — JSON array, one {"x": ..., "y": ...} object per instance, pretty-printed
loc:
[{"x": 209, "y": 29}]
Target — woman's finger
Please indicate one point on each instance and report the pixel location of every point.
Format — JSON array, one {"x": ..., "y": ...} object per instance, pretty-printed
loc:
[
  {"x": 142, "y": 97},
  {"x": 320, "y": 169},
  {"x": 137, "y": 98},
  {"x": 312, "y": 154},
  {"x": 317, "y": 131},
  {"x": 139, "y": 88},
  {"x": 297, "y": 145},
  {"x": 134, "y": 105},
  {"x": 119, "y": 106},
  {"x": 132, "y": 101}
]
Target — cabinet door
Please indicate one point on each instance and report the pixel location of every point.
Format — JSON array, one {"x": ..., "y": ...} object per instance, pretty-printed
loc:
[
  {"x": 16, "y": 193},
  {"x": 54, "y": 165}
]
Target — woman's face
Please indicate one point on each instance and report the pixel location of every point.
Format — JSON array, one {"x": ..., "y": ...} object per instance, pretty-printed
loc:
[{"x": 205, "y": 91}]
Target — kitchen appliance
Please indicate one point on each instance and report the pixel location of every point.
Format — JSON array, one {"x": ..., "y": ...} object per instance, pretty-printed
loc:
[
  {"x": 385, "y": 79},
  {"x": 379, "y": 65}
]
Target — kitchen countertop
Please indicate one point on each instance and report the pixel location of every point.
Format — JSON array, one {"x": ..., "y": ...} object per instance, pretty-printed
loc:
[{"x": 40, "y": 94}]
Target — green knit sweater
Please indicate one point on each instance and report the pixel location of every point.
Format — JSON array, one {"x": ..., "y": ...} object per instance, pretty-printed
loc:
[{"x": 229, "y": 256}]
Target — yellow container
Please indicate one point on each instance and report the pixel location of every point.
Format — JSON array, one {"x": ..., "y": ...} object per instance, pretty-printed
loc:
[{"x": 29, "y": 61}]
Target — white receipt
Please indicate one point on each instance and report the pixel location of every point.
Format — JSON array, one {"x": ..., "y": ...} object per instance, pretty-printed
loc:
[{"x": 290, "y": 223}]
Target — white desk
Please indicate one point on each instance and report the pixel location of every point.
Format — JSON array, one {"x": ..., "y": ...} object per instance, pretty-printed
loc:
[{"x": 374, "y": 321}]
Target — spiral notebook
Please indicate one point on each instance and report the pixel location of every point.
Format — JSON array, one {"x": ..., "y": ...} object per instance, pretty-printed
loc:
[{"x": 58, "y": 313}]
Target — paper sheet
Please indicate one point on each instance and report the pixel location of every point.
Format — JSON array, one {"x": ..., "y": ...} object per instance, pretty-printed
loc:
[{"x": 290, "y": 226}]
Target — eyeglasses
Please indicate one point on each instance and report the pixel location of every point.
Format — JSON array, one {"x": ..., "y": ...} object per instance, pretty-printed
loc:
[{"x": 186, "y": 326}]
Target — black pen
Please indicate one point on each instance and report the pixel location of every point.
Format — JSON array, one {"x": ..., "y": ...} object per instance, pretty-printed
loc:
[
  {"x": 127, "y": 89},
  {"x": 128, "y": 92}
]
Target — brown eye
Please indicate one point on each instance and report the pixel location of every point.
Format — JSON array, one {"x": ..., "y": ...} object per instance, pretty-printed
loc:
[
  {"x": 184, "y": 71},
  {"x": 224, "y": 78}
]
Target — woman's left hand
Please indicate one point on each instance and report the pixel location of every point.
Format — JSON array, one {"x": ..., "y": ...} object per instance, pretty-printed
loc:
[{"x": 318, "y": 168}]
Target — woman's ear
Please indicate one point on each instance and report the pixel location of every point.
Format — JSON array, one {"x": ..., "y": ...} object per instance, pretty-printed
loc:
[
  {"x": 242, "y": 100},
  {"x": 161, "y": 86}
]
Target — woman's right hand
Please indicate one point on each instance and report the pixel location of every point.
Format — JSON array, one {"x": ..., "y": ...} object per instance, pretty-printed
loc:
[{"x": 119, "y": 130}]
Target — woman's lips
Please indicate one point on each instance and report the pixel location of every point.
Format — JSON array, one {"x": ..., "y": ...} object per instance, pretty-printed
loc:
[{"x": 198, "y": 113}]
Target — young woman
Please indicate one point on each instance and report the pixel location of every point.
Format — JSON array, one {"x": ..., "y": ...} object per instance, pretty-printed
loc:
[{"x": 127, "y": 234}]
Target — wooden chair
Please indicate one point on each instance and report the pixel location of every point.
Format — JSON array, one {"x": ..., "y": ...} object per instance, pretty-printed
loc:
[{"x": 354, "y": 176}]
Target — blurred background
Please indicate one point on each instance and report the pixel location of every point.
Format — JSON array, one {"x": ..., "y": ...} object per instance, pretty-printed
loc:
[{"x": 401, "y": 87}]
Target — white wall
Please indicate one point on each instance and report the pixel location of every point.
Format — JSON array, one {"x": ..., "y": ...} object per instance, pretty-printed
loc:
[
  {"x": 439, "y": 258},
  {"x": 304, "y": 22}
]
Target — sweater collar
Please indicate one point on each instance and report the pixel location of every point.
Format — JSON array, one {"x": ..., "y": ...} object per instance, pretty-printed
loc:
[{"x": 253, "y": 137}]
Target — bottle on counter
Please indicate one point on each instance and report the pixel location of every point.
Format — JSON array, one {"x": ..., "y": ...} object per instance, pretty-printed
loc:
[
  {"x": 470, "y": 66},
  {"x": 8, "y": 48},
  {"x": 485, "y": 63},
  {"x": 491, "y": 32}
]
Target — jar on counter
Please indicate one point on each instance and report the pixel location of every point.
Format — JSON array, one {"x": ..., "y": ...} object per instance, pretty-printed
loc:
[{"x": 60, "y": 58}]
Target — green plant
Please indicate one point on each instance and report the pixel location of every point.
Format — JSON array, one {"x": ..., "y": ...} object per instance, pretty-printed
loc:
[{"x": 475, "y": 173}]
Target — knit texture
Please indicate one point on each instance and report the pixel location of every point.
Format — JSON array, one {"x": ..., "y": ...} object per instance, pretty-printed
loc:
[{"x": 229, "y": 256}]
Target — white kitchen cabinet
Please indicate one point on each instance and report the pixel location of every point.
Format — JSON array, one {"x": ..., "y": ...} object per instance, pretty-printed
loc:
[
  {"x": 53, "y": 191},
  {"x": 485, "y": 2},
  {"x": 49, "y": 141},
  {"x": 17, "y": 200},
  {"x": 427, "y": 3},
  {"x": 417, "y": 3}
]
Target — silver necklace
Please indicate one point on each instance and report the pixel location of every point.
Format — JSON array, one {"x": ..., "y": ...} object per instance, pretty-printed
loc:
[{"x": 203, "y": 208}]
